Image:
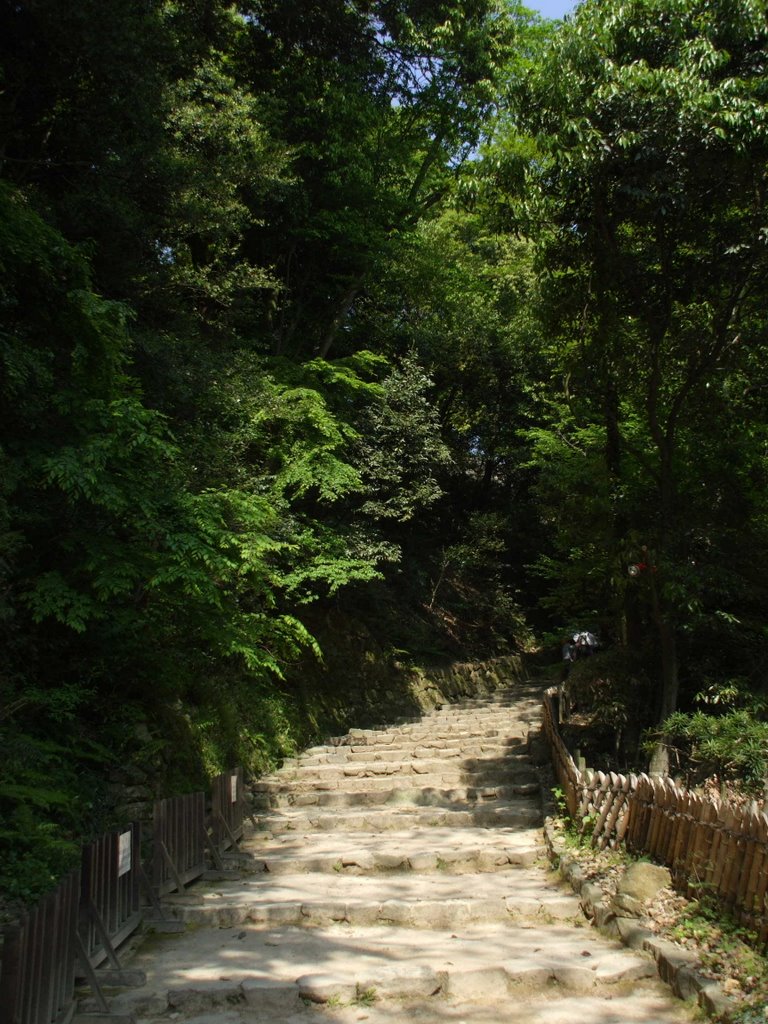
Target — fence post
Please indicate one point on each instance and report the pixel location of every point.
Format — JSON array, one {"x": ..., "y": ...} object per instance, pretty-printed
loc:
[{"x": 10, "y": 977}]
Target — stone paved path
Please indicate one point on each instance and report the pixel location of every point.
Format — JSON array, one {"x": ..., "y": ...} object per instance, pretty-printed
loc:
[{"x": 399, "y": 875}]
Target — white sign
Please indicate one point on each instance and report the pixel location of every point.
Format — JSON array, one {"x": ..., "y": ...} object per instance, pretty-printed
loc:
[
  {"x": 124, "y": 854},
  {"x": 233, "y": 789}
]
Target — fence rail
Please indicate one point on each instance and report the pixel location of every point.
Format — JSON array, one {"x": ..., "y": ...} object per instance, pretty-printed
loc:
[
  {"x": 704, "y": 841},
  {"x": 37, "y": 983},
  {"x": 227, "y": 809},
  {"x": 110, "y": 909},
  {"x": 97, "y": 907},
  {"x": 179, "y": 841}
]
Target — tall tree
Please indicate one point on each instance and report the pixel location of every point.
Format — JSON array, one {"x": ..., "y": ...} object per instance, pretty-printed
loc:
[
  {"x": 380, "y": 102},
  {"x": 652, "y": 132}
]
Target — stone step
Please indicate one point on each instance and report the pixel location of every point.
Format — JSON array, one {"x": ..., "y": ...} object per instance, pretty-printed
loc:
[
  {"x": 508, "y": 707},
  {"x": 427, "y": 735},
  {"x": 513, "y": 712},
  {"x": 472, "y": 997},
  {"x": 518, "y": 814},
  {"x": 479, "y": 860},
  {"x": 426, "y": 913},
  {"x": 425, "y": 899},
  {"x": 428, "y": 740},
  {"x": 473, "y": 768},
  {"x": 276, "y": 969},
  {"x": 307, "y": 795},
  {"x": 447, "y": 850},
  {"x": 504, "y": 724},
  {"x": 376, "y": 755},
  {"x": 353, "y": 778},
  {"x": 454, "y": 748},
  {"x": 356, "y": 780}
]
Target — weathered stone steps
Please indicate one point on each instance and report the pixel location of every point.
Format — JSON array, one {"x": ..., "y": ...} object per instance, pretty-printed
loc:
[
  {"x": 426, "y": 738},
  {"x": 372, "y": 777},
  {"x": 374, "y": 755},
  {"x": 356, "y": 901},
  {"x": 429, "y": 796},
  {"x": 426, "y": 898},
  {"x": 502, "y": 815},
  {"x": 437, "y": 913},
  {"x": 447, "y": 850},
  {"x": 473, "y": 861},
  {"x": 426, "y": 728},
  {"x": 470, "y": 766},
  {"x": 430, "y": 737},
  {"x": 337, "y": 964},
  {"x": 306, "y": 795}
]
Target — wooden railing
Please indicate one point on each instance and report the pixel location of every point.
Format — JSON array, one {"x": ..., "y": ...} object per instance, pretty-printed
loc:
[
  {"x": 97, "y": 907},
  {"x": 179, "y": 842},
  {"x": 37, "y": 983},
  {"x": 707, "y": 843},
  {"x": 110, "y": 908},
  {"x": 227, "y": 809}
]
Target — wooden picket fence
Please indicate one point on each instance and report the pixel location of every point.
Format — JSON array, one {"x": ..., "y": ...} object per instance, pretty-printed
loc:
[{"x": 708, "y": 844}]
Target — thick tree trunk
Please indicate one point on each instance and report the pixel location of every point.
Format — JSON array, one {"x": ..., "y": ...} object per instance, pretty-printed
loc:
[{"x": 344, "y": 308}]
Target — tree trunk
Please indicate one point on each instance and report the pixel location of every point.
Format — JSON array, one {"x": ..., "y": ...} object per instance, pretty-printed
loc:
[
  {"x": 667, "y": 637},
  {"x": 338, "y": 320}
]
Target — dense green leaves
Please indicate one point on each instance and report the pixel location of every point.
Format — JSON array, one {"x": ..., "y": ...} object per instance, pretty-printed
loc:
[
  {"x": 650, "y": 126},
  {"x": 427, "y": 315}
]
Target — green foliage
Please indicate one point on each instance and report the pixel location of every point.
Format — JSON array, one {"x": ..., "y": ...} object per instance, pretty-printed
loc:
[
  {"x": 401, "y": 451},
  {"x": 366, "y": 997},
  {"x": 560, "y": 802},
  {"x": 727, "y": 950},
  {"x": 49, "y": 794},
  {"x": 381, "y": 102},
  {"x": 732, "y": 746},
  {"x": 540, "y": 260},
  {"x": 611, "y": 689},
  {"x": 632, "y": 157}
]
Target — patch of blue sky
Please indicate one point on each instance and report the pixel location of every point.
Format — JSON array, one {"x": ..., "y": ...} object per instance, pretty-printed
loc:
[{"x": 551, "y": 8}]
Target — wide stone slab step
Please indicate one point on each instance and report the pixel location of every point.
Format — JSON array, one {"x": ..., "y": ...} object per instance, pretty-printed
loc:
[
  {"x": 373, "y": 755},
  {"x": 307, "y": 795},
  {"x": 355, "y": 780},
  {"x": 508, "y": 735},
  {"x": 275, "y": 969},
  {"x": 426, "y": 734},
  {"x": 437, "y": 913},
  {"x": 496, "y": 727},
  {"x": 473, "y": 768},
  {"x": 461, "y": 862},
  {"x": 431, "y": 899},
  {"x": 275, "y": 1003},
  {"x": 448, "y": 850},
  {"x": 436, "y": 744},
  {"x": 302, "y": 820}
]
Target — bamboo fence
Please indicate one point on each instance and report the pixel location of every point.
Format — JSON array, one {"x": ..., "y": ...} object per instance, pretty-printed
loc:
[{"x": 709, "y": 845}]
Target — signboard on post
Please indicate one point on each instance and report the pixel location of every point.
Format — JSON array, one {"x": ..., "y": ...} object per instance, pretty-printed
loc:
[
  {"x": 124, "y": 854},
  {"x": 233, "y": 789}
]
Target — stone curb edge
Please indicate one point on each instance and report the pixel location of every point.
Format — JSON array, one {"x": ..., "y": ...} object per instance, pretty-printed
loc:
[{"x": 674, "y": 964}]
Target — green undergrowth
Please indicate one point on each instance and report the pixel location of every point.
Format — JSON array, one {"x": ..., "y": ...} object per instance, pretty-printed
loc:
[
  {"x": 726, "y": 950},
  {"x": 56, "y": 795}
]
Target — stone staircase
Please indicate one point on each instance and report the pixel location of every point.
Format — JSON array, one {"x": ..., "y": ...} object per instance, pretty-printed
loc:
[{"x": 398, "y": 874}]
